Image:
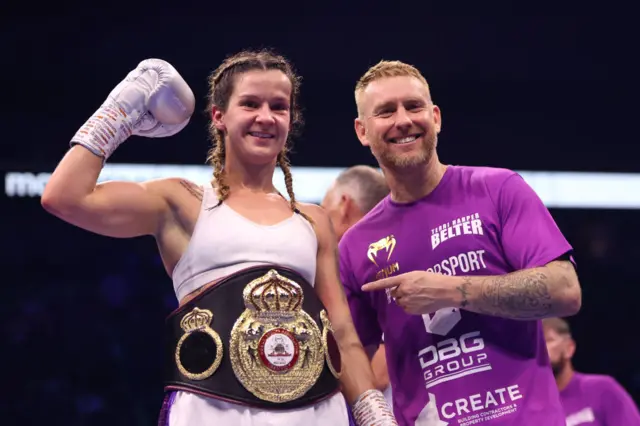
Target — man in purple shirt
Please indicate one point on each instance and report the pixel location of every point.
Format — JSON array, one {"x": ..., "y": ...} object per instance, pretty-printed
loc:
[
  {"x": 456, "y": 267},
  {"x": 587, "y": 399}
]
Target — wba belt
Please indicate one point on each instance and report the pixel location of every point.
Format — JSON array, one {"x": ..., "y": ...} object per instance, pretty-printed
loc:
[{"x": 259, "y": 337}]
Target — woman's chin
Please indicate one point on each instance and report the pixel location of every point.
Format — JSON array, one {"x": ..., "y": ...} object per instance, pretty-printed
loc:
[{"x": 262, "y": 155}]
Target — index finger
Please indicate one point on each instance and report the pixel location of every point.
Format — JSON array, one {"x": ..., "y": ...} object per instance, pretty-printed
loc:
[{"x": 380, "y": 284}]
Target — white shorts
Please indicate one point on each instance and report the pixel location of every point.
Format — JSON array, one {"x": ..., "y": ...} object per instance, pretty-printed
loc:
[
  {"x": 388, "y": 396},
  {"x": 187, "y": 409}
]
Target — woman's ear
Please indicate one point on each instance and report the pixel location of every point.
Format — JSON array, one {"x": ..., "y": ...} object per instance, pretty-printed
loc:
[{"x": 217, "y": 116}]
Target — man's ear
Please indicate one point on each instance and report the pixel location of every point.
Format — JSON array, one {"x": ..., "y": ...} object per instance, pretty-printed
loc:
[
  {"x": 437, "y": 118},
  {"x": 361, "y": 131},
  {"x": 343, "y": 206},
  {"x": 571, "y": 348}
]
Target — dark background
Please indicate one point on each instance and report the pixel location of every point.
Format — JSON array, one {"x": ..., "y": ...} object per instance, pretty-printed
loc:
[{"x": 82, "y": 315}]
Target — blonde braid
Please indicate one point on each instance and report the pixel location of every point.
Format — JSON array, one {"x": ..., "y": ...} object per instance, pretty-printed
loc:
[
  {"x": 284, "y": 164},
  {"x": 217, "y": 158}
]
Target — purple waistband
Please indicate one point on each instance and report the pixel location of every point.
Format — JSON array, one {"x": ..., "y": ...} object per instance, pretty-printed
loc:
[{"x": 163, "y": 419}]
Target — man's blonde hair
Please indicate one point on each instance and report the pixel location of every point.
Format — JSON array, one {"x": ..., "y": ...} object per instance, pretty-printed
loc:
[
  {"x": 384, "y": 69},
  {"x": 558, "y": 325}
]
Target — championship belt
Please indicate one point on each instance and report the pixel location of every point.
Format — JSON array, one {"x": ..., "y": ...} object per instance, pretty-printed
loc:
[{"x": 259, "y": 337}]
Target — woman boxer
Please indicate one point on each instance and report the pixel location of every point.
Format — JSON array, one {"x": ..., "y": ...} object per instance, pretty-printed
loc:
[{"x": 255, "y": 348}]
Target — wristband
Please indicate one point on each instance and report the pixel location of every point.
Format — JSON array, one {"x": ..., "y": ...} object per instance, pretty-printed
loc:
[{"x": 371, "y": 409}]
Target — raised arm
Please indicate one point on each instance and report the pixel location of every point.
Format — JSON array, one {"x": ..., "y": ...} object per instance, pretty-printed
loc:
[
  {"x": 152, "y": 101},
  {"x": 114, "y": 209},
  {"x": 357, "y": 377}
]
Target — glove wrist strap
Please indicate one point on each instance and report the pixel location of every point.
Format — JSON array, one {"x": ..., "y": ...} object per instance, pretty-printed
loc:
[
  {"x": 105, "y": 130},
  {"x": 371, "y": 409}
]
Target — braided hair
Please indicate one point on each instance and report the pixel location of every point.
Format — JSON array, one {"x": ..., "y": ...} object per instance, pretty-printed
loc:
[{"x": 221, "y": 85}]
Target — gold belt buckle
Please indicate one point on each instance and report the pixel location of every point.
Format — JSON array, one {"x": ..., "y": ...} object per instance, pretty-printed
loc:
[
  {"x": 276, "y": 348},
  {"x": 196, "y": 325}
]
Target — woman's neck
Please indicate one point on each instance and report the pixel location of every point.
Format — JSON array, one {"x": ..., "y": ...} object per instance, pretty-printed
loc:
[{"x": 255, "y": 178}]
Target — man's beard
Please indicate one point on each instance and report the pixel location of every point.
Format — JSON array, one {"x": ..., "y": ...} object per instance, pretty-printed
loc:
[
  {"x": 558, "y": 366},
  {"x": 399, "y": 161}
]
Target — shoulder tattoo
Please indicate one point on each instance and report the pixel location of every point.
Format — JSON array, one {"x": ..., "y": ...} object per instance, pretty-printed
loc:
[{"x": 193, "y": 189}]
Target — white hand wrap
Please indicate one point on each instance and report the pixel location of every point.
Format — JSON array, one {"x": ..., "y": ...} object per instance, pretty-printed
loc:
[
  {"x": 152, "y": 101},
  {"x": 371, "y": 409}
]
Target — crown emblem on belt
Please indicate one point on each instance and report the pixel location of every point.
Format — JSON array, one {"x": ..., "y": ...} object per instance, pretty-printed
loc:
[
  {"x": 273, "y": 293},
  {"x": 197, "y": 319},
  {"x": 198, "y": 323},
  {"x": 276, "y": 347}
]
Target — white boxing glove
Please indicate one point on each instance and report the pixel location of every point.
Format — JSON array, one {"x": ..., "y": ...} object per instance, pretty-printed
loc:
[
  {"x": 372, "y": 409},
  {"x": 152, "y": 101}
]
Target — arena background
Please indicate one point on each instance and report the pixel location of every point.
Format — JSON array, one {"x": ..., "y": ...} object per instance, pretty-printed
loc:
[{"x": 82, "y": 315}]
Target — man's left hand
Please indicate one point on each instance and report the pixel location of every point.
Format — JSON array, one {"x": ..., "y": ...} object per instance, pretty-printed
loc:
[{"x": 418, "y": 292}]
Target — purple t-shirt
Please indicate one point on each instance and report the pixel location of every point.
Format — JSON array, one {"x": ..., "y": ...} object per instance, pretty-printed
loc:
[
  {"x": 457, "y": 367},
  {"x": 598, "y": 400}
]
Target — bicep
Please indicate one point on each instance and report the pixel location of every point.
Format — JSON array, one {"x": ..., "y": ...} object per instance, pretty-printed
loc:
[
  {"x": 121, "y": 209},
  {"x": 564, "y": 269}
]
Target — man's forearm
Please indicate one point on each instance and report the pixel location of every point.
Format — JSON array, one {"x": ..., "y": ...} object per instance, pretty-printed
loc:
[{"x": 551, "y": 290}]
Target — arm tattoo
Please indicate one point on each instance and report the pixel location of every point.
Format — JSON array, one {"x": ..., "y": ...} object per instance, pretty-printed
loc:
[
  {"x": 522, "y": 295},
  {"x": 567, "y": 267},
  {"x": 193, "y": 189},
  {"x": 464, "y": 291}
]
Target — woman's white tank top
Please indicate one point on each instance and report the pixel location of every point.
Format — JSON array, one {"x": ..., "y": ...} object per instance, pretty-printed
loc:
[{"x": 224, "y": 242}]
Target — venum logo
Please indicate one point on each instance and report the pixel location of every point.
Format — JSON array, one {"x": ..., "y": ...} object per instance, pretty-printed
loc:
[{"x": 385, "y": 245}]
